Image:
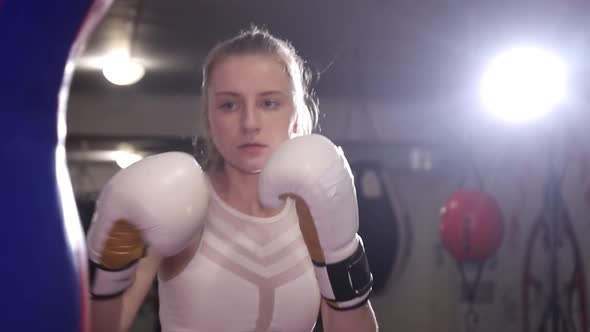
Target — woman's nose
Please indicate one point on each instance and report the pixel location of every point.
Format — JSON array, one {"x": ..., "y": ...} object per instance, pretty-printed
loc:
[{"x": 251, "y": 120}]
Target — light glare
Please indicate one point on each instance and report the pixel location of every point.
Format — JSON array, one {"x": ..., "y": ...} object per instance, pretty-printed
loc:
[
  {"x": 120, "y": 69},
  {"x": 125, "y": 159},
  {"x": 523, "y": 83}
]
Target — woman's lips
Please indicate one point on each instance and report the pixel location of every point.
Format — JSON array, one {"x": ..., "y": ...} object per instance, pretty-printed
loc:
[{"x": 252, "y": 148}]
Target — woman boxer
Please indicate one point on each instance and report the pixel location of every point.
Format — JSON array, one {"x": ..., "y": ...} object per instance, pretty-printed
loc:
[{"x": 247, "y": 263}]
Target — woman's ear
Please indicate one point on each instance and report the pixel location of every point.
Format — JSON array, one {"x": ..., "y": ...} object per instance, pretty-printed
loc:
[
  {"x": 206, "y": 122},
  {"x": 296, "y": 126}
]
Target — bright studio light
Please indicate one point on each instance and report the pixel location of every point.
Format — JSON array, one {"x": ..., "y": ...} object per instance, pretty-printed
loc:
[
  {"x": 523, "y": 83},
  {"x": 120, "y": 69},
  {"x": 124, "y": 159}
]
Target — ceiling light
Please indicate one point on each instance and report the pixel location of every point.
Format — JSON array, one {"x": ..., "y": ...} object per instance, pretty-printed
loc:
[
  {"x": 523, "y": 83},
  {"x": 120, "y": 69}
]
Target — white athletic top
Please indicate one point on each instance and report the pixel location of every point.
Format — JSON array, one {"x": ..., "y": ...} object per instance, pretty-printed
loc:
[{"x": 249, "y": 274}]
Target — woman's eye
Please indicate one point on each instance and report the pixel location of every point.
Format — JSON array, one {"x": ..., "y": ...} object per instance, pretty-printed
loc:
[
  {"x": 270, "y": 104},
  {"x": 227, "y": 106}
]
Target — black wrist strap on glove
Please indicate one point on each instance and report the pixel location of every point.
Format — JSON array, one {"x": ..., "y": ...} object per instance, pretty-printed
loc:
[
  {"x": 108, "y": 283},
  {"x": 350, "y": 280}
]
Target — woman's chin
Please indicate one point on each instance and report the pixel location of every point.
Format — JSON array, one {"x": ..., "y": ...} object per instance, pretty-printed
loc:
[{"x": 249, "y": 166}]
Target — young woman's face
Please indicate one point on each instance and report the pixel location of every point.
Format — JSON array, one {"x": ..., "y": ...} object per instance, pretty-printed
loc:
[{"x": 250, "y": 108}]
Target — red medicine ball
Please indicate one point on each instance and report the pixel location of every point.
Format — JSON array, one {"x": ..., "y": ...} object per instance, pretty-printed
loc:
[{"x": 471, "y": 225}]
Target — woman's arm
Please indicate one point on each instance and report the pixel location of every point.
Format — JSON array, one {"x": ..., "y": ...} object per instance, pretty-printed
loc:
[
  {"x": 118, "y": 314},
  {"x": 361, "y": 319}
]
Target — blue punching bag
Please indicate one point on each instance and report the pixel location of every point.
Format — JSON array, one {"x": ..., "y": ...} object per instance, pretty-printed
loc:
[{"x": 43, "y": 282}]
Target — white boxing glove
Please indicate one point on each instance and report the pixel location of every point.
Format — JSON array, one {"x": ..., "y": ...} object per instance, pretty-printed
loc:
[
  {"x": 316, "y": 173},
  {"x": 159, "y": 202}
]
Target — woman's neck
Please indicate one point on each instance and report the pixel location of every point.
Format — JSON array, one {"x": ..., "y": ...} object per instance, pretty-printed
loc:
[{"x": 239, "y": 190}]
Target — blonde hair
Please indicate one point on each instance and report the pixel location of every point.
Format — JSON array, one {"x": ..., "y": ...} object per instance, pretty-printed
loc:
[{"x": 259, "y": 41}]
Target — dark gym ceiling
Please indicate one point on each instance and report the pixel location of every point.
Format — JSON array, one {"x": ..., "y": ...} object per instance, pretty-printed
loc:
[{"x": 406, "y": 50}]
